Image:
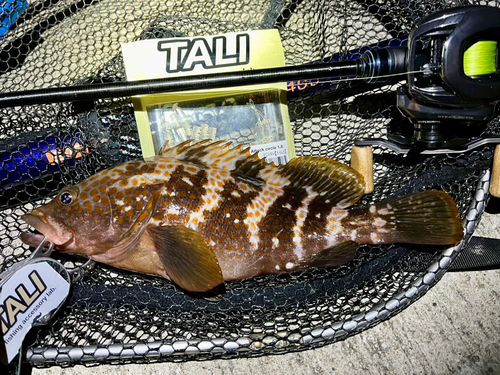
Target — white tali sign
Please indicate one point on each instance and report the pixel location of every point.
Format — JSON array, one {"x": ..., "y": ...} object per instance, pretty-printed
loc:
[
  {"x": 32, "y": 292},
  {"x": 182, "y": 55}
]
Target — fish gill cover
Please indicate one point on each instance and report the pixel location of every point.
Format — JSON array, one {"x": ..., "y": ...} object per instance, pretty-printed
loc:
[{"x": 120, "y": 317}]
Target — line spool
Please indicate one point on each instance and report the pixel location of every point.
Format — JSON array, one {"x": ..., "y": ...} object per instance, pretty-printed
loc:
[{"x": 481, "y": 58}]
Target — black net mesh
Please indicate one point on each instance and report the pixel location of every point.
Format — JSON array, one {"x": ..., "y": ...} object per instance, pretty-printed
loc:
[{"x": 116, "y": 316}]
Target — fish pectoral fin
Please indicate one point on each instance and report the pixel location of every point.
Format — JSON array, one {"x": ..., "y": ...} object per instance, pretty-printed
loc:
[
  {"x": 186, "y": 258},
  {"x": 334, "y": 256}
]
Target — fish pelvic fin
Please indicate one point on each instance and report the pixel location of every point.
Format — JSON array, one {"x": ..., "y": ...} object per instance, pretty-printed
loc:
[
  {"x": 427, "y": 218},
  {"x": 186, "y": 258}
]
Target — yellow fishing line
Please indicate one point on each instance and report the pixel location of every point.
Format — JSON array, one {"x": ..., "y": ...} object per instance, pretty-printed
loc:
[{"x": 480, "y": 58}]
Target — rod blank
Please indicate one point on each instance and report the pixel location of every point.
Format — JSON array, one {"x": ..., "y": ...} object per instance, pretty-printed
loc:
[{"x": 165, "y": 85}]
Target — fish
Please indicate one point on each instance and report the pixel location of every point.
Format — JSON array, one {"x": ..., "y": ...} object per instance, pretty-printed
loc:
[{"x": 200, "y": 214}]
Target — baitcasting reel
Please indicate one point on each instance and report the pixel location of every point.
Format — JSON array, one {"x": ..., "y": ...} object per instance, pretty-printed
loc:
[{"x": 453, "y": 82}]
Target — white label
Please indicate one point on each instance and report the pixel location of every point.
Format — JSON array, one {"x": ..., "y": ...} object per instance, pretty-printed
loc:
[
  {"x": 276, "y": 152},
  {"x": 31, "y": 293},
  {"x": 170, "y": 57}
]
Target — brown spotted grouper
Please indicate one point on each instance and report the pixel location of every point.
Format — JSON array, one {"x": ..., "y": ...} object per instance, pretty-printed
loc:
[{"x": 200, "y": 214}]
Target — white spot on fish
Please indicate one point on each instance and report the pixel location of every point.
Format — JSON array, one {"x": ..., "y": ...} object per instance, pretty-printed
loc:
[
  {"x": 287, "y": 206},
  {"x": 254, "y": 244},
  {"x": 257, "y": 210},
  {"x": 359, "y": 223},
  {"x": 333, "y": 225},
  {"x": 275, "y": 242},
  {"x": 187, "y": 181},
  {"x": 120, "y": 202},
  {"x": 373, "y": 209},
  {"x": 195, "y": 218},
  {"x": 128, "y": 208},
  {"x": 289, "y": 265},
  {"x": 354, "y": 235},
  {"x": 299, "y": 252},
  {"x": 235, "y": 194},
  {"x": 297, "y": 235},
  {"x": 384, "y": 211},
  {"x": 236, "y": 221},
  {"x": 379, "y": 222},
  {"x": 300, "y": 218},
  {"x": 173, "y": 210},
  {"x": 374, "y": 238},
  {"x": 277, "y": 267},
  {"x": 228, "y": 215}
]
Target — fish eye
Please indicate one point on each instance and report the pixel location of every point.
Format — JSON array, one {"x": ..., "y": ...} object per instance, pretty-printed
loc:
[{"x": 67, "y": 196}]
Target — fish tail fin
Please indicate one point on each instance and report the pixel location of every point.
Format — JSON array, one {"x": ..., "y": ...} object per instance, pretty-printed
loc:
[{"x": 429, "y": 217}]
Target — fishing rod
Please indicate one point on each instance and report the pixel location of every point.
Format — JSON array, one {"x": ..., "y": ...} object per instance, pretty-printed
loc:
[{"x": 375, "y": 63}]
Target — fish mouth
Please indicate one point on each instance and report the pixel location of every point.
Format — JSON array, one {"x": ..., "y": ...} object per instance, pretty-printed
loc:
[{"x": 54, "y": 231}]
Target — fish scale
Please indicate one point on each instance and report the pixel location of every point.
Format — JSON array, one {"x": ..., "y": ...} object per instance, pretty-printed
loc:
[{"x": 201, "y": 214}]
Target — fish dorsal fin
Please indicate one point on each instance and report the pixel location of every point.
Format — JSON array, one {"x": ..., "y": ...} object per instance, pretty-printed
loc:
[
  {"x": 165, "y": 148},
  {"x": 218, "y": 154},
  {"x": 337, "y": 183}
]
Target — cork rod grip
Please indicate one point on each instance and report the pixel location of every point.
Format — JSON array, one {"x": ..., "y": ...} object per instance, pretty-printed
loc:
[
  {"x": 495, "y": 174},
  {"x": 362, "y": 162}
]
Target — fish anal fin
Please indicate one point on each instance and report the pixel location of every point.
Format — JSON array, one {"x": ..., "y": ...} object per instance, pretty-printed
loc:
[
  {"x": 186, "y": 258},
  {"x": 334, "y": 256}
]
